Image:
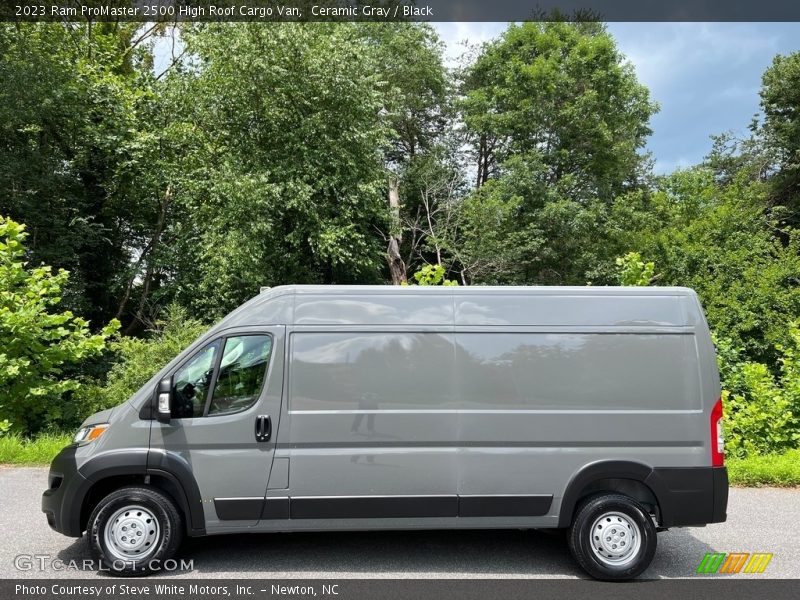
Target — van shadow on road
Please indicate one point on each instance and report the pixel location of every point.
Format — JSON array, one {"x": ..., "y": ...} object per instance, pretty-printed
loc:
[{"x": 472, "y": 553}]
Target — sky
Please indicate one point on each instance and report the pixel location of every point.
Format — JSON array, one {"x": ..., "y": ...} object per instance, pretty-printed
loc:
[{"x": 705, "y": 76}]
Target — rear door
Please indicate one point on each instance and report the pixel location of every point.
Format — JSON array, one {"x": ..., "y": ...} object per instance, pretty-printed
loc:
[{"x": 226, "y": 400}]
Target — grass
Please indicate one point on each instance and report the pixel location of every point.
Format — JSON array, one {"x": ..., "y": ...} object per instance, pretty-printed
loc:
[
  {"x": 781, "y": 470},
  {"x": 16, "y": 450}
]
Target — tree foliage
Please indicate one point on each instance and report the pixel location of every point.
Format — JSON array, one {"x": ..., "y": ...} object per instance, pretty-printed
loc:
[
  {"x": 780, "y": 99},
  {"x": 40, "y": 341},
  {"x": 289, "y": 182},
  {"x": 266, "y": 154},
  {"x": 762, "y": 408},
  {"x": 635, "y": 271},
  {"x": 557, "y": 120},
  {"x": 138, "y": 359},
  {"x": 69, "y": 96},
  {"x": 433, "y": 275}
]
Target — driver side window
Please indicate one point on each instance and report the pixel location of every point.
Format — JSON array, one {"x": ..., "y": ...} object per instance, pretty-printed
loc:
[
  {"x": 241, "y": 373},
  {"x": 209, "y": 384},
  {"x": 191, "y": 383}
]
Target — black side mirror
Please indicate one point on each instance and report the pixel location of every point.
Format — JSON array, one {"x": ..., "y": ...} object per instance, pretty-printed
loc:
[{"x": 164, "y": 400}]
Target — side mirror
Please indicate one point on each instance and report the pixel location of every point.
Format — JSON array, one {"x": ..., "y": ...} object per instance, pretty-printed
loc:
[{"x": 164, "y": 400}]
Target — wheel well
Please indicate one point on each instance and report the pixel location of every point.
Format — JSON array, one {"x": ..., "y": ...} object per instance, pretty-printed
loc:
[
  {"x": 104, "y": 487},
  {"x": 628, "y": 487}
]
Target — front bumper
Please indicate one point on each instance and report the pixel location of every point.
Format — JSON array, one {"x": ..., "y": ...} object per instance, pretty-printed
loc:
[{"x": 61, "y": 502}]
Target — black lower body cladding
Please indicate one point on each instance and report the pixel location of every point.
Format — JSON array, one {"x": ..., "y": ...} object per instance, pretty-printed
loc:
[
  {"x": 691, "y": 495},
  {"x": 685, "y": 495},
  {"x": 65, "y": 491},
  {"x": 382, "y": 507},
  {"x": 720, "y": 514},
  {"x": 68, "y": 486}
]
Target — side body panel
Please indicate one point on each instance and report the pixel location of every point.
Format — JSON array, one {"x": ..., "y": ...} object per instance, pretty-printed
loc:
[{"x": 498, "y": 410}]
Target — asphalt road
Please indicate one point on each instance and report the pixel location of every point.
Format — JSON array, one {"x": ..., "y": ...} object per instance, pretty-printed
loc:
[{"x": 759, "y": 520}]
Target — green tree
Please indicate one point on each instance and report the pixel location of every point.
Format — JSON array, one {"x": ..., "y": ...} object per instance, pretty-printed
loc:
[
  {"x": 288, "y": 184},
  {"x": 71, "y": 124},
  {"x": 717, "y": 239},
  {"x": 557, "y": 120},
  {"x": 413, "y": 83},
  {"x": 780, "y": 101},
  {"x": 138, "y": 359},
  {"x": 39, "y": 341},
  {"x": 416, "y": 94},
  {"x": 562, "y": 96}
]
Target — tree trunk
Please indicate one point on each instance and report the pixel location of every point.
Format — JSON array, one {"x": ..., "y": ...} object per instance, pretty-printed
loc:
[
  {"x": 397, "y": 268},
  {"x": 138, "y": 317},
  {"x": 481, "y": 152}
]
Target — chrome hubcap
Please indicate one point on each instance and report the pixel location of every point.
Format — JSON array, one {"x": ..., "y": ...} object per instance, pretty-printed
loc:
[
  {"x": 131, "y": 533},
  {"x": 616, "y": 539}
]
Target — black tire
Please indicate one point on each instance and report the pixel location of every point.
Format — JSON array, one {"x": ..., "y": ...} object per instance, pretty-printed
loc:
[
  {"x": 166, "y": 536},
  {"x": 582, "y": 535}
]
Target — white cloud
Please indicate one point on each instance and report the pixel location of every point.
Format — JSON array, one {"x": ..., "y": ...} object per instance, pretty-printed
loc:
[{"x": 457, "y": 36}]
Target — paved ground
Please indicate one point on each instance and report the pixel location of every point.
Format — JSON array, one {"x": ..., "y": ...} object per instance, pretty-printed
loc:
[{"x": 759, "y": 520}]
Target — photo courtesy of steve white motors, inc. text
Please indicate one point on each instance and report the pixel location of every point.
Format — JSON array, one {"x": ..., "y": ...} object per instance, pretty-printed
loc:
[{"x": 137, "y": 590}]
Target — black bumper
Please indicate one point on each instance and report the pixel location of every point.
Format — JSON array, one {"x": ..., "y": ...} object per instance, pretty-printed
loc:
[
  {"x": 690, "y": 496},
  {"x": 61, "y": 502},
  {"x": 68, "y": 487}
]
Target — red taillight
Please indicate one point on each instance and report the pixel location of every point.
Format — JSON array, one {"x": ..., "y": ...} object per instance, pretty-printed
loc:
[{"x": 717, "y": 436}]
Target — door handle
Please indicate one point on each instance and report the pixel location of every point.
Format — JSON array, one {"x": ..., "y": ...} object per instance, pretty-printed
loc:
[{"x": 263, "y": 428}]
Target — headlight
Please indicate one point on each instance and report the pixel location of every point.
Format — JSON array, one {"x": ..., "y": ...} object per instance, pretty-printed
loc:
[{"x": 89, "y": 433}]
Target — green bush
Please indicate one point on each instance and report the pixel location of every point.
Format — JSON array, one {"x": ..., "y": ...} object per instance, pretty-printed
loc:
[
  {"x": 718, "y": 239},
  {"x": 762, "y": 410},
  {"x": 137, "y": 360},
  {"x": 432, "y": 275},
  {"x": 39, "y": 343},
  {"x": 633, "y": 270}
]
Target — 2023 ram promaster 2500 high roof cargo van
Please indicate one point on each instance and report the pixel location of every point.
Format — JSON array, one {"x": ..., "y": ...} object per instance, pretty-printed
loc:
[{"x": 334, "y": 408}]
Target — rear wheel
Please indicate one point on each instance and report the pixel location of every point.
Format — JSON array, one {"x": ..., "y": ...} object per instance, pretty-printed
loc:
[
  {"x": 612, "y": 537},
  {"x": 133, "y": 530}
]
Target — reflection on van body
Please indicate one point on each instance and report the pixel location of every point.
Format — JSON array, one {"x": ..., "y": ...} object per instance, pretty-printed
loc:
[{"x": 492, "y": 371}]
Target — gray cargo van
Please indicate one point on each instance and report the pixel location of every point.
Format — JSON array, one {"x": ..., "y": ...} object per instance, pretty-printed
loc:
[{"x": 312, "y": 408}]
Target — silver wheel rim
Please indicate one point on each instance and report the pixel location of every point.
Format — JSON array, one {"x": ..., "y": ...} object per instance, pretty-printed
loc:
[
  {"x": 131, "y": 533},
  {"x": 615, "y": 539}
]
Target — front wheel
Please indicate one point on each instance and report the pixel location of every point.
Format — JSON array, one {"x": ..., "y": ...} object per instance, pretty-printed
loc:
[
  {"x": 134, "y": 529},
  {"x": 612, "y": 537}
]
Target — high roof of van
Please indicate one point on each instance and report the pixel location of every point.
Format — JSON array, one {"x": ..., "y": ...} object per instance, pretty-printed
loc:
[{"x": 470, "y": 306}]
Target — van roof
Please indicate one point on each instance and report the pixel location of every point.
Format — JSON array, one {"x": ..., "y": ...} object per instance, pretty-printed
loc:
[{"x": 490, "y": 306}]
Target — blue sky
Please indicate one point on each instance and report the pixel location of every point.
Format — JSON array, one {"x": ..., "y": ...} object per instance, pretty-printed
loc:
[{"x": 705, "y": 76}]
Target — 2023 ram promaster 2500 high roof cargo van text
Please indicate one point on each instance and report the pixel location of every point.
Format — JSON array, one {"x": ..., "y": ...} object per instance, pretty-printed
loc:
[{"x": 335, "y": 408}]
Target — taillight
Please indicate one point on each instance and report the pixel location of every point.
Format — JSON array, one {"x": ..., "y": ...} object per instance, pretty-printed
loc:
[{"x": 717, "y": 436}]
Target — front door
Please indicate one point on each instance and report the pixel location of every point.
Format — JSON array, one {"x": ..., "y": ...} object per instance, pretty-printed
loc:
[{"x": 226, "y": 400}]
